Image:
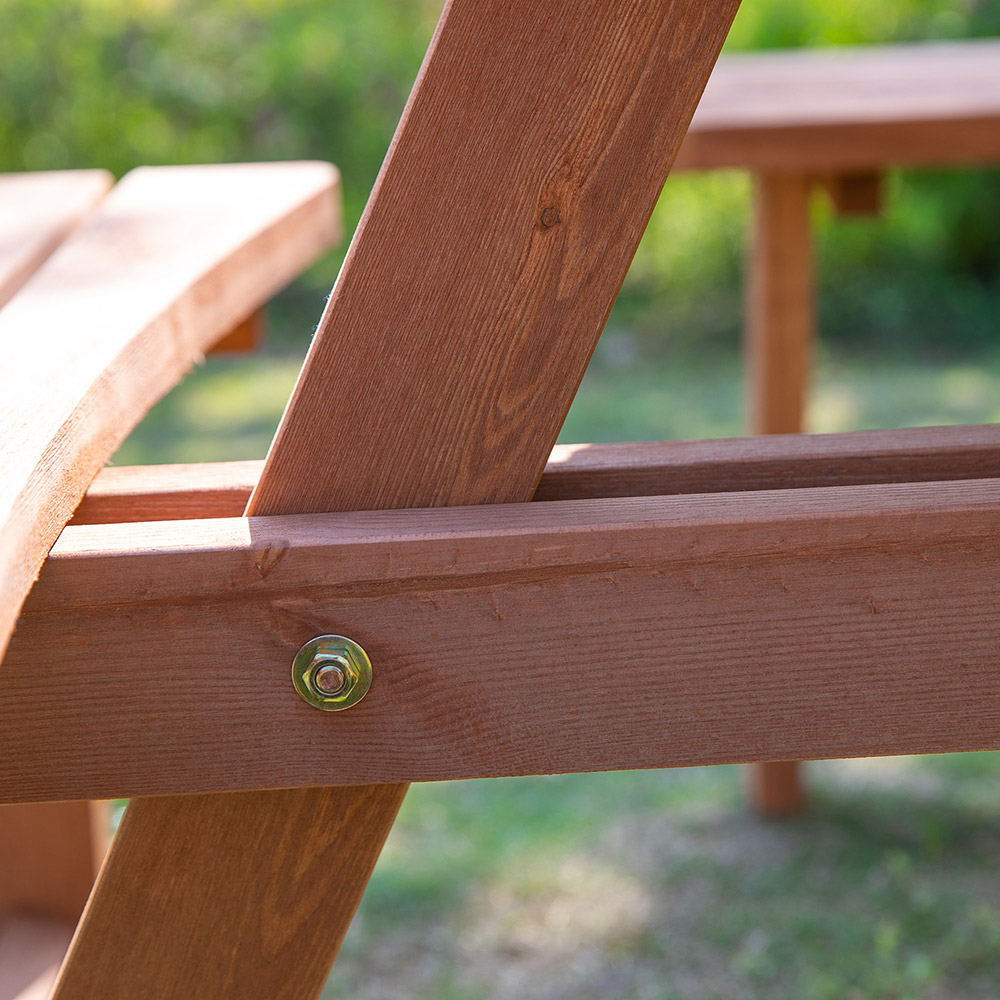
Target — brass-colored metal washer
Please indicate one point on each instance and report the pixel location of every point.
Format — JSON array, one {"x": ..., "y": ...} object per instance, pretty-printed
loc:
[{"x": 324, "y": 655}]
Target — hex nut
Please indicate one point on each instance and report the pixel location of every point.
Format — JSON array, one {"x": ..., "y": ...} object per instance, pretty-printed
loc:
[{"x": 329, "y": 655}]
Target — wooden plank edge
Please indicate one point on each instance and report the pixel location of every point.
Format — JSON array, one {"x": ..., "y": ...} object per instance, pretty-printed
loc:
[
  {"x": 88, "y": 188},
  {"x": 587, "y": 471}
]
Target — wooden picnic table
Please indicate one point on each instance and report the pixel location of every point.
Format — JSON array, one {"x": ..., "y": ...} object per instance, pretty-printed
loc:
[{"x": 833, "y": 119}]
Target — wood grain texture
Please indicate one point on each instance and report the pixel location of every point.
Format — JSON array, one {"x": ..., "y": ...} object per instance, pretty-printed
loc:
[
  {"x": 170, "y": 259},
  {"x": 273, "y": 864},
  {"x": 31, "y": 949},
  {"x": 37, "y": 212},
  {"x": 50, "y": 853},
  {"x": 522, "y": 174},
  {"x": 589, "y": 471},
  {"x": 850, "y": 108},
  {"x": 515, "y": 639},
  {"x": 779, "y": 314}
]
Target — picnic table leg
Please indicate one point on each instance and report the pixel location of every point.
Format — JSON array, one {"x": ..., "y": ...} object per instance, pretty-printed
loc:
[{"x": 778, "y": 346}]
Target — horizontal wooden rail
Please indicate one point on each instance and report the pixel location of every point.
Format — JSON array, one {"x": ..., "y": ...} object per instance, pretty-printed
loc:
[
  {"x": 586, "y": 471},
  {"x": 516, "y": 639}
]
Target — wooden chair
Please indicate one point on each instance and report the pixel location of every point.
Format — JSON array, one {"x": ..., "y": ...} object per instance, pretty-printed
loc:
[
  {"x": 833, "y": 120},
  {"x": 803, "y": 599}
]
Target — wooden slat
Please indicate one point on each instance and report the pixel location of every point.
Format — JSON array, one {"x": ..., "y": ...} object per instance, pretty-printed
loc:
[
  {"x": 172, "y": 257},
  {"x": 47, "y": 851},
  {"x": 31, "y": 949},
  {"x": 588, "y": 471},
  {"x": 850, "y": 108},
  {"x": 516, "y": 191},
  {"x": 517, "y": 186},
  {"x": 37, "y": 212},
  {"x": 517, "y": 639},
  {"x": 774, "y": 462},
  {"x": 273, "y": 941}
]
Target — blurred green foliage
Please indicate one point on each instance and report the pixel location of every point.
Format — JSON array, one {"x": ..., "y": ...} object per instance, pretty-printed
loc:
[{"x": 117, "y": 83}]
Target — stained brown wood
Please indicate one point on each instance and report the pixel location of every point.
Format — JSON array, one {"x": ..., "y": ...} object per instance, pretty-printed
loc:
[
  {"x": 279, "y": 874},
  {"x": 31, "y": 949},
  {"x": 245, "y": 337},
  {"x": 50, "y": 853},
  {"x": 588, "y": 471},
  {"x": 513, "y": 197},
  {"x": 850, "y": 108},
  {"x": 778, "y": 344},
  {"x": 172, "y": 257},
  {"x": 856, "y": 194},
  {"x": 779, "y": 314},
  {"x": 775, "y": 789},
  {"x": 47, "y": 851},
  {"x": 514, "y": 193},
  {"x": 515, "y": 639},
  {"x": 37, "y": 212},
  {"x": 774, "y": 462}
]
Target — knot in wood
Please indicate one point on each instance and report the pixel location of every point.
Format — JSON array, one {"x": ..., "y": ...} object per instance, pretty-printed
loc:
[{"x": 550, "y": 217}]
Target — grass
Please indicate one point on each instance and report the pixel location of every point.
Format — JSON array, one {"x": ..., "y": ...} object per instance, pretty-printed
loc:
[{"x": 658, "y": 884}]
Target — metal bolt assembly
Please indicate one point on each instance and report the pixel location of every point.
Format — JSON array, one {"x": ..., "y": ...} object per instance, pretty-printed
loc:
[{"x": 331, "y": 672}]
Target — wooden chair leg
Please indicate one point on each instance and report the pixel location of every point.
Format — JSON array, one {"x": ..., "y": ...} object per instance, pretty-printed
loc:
[
  {"x": 279, "y": 872},
  {"x": 778, "y": 346},
  {"x": 49, "y": 856}
]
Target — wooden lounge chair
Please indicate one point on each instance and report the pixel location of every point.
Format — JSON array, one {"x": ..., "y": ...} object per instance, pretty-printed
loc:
[{"x": 668, "y": 605}]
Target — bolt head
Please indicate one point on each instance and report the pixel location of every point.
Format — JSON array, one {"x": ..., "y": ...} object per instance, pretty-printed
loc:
[
  {"x": 331, "y": 672},
  {"x": 329, "y": 678}
]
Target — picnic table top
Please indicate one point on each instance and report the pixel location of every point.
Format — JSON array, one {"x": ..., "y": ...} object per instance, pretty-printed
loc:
[{"x": 850, "y": 108}]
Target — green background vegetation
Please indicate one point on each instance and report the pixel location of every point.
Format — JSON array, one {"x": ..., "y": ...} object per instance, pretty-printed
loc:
[
  {"x": 118, "y": 83},
  {"x": 645, "y": 884}
]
